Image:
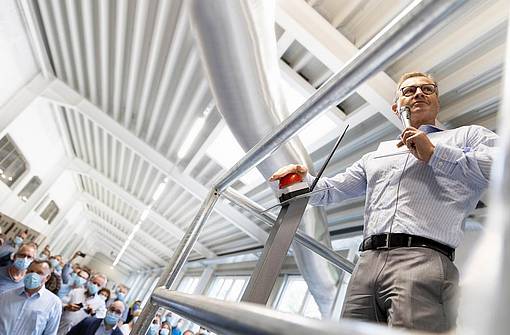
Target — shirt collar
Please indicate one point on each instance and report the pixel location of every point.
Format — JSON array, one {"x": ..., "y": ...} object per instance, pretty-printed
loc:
[
  {"x": 430, "y": 128},
  {"x": 21, "y": 291}
]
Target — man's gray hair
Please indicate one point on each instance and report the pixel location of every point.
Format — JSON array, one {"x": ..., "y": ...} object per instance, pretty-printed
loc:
[{"x": 100, "y": 275}]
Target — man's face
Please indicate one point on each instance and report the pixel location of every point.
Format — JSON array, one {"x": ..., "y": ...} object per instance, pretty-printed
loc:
[
  {"x": 117, "y": 307},
  {"x": 26, "y": 251},
  {"x": 424, "y": 108},
  {"x": 42, "y": 269},
  {"x": 83, "y": 275},
  {"x": 98, "y": 281}
]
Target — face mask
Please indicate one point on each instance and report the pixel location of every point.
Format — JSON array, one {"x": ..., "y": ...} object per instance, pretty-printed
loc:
[
  {"x": 18, "y": 240},
  {"x": 92, "y": 288},
  {"x": 32, "y": 280},
  {"x": 74, "y": 275},
  {"x": 153, "y": 329},
  {"x": 79, "y": 281},
  {"x": 136, "y": 307},
  {"x": 43, "y": 257},
  {"x": 22, "y": 263},
  {"x": 102, "y": 297},
  {"x": 54, "y": 263},
  {"x": 121, "y": 296},
  {"x": 164, "y": 331},
  {"x": 111, "y": 318}
]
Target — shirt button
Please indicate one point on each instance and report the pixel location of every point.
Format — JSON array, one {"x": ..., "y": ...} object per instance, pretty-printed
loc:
[
  {"x": 443, "y": 156},
  {"x": 440, "y": 164}
]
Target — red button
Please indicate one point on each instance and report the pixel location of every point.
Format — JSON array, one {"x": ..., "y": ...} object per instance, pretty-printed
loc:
[{"x": 291, "y": 178}]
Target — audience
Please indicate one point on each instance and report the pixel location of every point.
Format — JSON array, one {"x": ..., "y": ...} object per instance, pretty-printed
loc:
[
  {"x": 31, "y": 309},
  {"x": 107, "y": 325},
  {"x": 83, "y": 302},
  {"x": 85, "y": 306}
]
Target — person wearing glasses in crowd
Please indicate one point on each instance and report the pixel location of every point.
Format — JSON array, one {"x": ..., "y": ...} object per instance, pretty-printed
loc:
[
  {"x": 8, "y": 249},
  {"x": 30, "y": 309},
  {"x": 11, "y": 276},
  {"x": 101, "y": 326},
  {"x": 418, "y": 192}
]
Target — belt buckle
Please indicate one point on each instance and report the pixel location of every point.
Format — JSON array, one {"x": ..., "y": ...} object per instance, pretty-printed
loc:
[{"x": 387, "y": 245}]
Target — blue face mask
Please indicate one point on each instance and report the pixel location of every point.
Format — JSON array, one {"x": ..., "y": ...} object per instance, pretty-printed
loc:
[
  {"x": 164, "y": 331},
  {"x": 153, "y": 329},
  {"x": 92, "y": 288},
  {"x": 111, "y": 318},
  {"x": 22, "y": 263},
  {"x": 32, "y": 280},
  {"x": 18, "y": 240},
  {"x": 79, "y": 281},
  {"x": 55, "y": 264},
  {"x": 121, "y": 296}
]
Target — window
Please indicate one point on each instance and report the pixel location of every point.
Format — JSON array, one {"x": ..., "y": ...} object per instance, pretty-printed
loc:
[
  {"x": 12, "y": 162},
  {"x": 295, "y": 298},
  {"x": 50, "y": 212},
  {"x": 188, "y": 284},
  {"x": 29, "y": 188},
  {"x": 228, "y": 288}
]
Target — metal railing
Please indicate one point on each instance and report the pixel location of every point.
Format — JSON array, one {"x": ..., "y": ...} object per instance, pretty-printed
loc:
[
  {"x": 224, "y": 317},
  {"x": 410, "y": 27}
]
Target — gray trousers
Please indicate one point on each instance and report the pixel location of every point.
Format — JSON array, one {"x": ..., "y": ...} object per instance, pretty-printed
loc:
[{"x": 414, "y": 288}]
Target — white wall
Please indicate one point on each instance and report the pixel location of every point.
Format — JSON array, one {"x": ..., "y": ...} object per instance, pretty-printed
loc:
[{"x": 17, "y": 63}]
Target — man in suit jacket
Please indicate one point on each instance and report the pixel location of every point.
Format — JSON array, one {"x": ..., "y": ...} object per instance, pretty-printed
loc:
[{"x": 96, "y": 326}]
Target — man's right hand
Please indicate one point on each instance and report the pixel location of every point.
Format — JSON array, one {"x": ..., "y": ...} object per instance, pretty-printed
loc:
[
  {"x": 291, "y": 168},
  {"x": 72, "y": 307}
]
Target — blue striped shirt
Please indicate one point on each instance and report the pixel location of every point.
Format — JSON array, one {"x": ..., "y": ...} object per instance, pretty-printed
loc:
[
  {"x": 434, "y": 198},
  {"x": 38, "y": 314}
]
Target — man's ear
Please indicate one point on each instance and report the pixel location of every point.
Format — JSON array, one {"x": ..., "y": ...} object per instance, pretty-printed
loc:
[{"x": 394, "y": 109}]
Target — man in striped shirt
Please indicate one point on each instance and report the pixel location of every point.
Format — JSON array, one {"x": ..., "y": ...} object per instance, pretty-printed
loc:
[{"x": 419, "y": 190}]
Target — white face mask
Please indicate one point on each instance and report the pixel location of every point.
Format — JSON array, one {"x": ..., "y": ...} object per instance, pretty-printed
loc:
[{"x": 102, "y": 297}]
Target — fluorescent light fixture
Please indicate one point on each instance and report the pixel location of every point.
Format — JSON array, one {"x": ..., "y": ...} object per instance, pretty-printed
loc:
[
  {"x": 192, "y": 134},
  {"x": 159, "y": 191},
  {"x": 145, "y": 214}
]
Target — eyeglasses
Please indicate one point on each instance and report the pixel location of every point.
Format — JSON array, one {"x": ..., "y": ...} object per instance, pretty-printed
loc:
[{"x": 427, "y": 89}]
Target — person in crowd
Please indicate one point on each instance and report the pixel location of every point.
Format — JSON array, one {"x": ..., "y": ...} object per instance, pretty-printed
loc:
[
  {"x": 3, "y": 238},
  {"x": 46, "y": 253},
  {"x": 78, "y": 280},
  {"x": 188, "y": 332},
  {"x": 121, "y": 296},
  {"x": 104, "y": 294},
  {"x": 9, "y": 249},
  {"x": 54, "y": 284},
  {"x": 101, "y": 326},
  {"x": 70, "y": 267},
  {"x": 11, "y": 276},
  {"x": 177, "y": 329},
  {"x": 166, "y": 329},
  {"x": 83, "y": 302},
  {"x": 418, "y": 195},
  {"x": 128, "y": 326},
  {"x": 136, "y": 306},
  {"x": 31, "y": 309}
]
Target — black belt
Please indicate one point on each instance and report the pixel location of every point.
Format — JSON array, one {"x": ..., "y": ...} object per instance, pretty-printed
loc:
[{"x": 398, "y": 240}]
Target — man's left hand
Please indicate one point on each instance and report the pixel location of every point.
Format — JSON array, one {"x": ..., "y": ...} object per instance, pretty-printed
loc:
[{"x": 418, "y": 143}]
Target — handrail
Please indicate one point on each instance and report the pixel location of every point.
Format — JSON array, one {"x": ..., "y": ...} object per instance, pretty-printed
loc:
[
  {"x": 309, "y": 242},
  {"x": 395, "y": 40},
  {"x": 231, "y": 318}
]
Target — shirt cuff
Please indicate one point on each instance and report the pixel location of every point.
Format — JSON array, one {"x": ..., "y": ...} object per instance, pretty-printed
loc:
[{"x": 444, "y": 159}]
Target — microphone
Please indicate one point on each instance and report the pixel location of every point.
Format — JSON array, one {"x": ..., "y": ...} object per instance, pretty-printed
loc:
[{"x": 405, "y": 116}]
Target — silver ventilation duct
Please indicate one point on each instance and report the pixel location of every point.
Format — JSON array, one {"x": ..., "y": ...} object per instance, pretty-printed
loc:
[{"x": 237, "y": 45}]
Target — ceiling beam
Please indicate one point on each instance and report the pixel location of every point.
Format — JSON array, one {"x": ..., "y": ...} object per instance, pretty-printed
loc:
[
  {"x": 62, "y": 94},
  {"x": 81, "y": 167},
  {"x": 88, "y": 198},
  {"x": 334, "y": 50},
  {"x": 141, "y": 252}
]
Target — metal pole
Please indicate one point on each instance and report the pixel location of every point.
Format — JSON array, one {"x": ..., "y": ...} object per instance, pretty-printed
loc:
[
  {"x": 231, "y": 318},
  {"x": 307, "y": 241},
  {"x": 405, "y": 31},
  {"x": 178, "y": 260}
]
